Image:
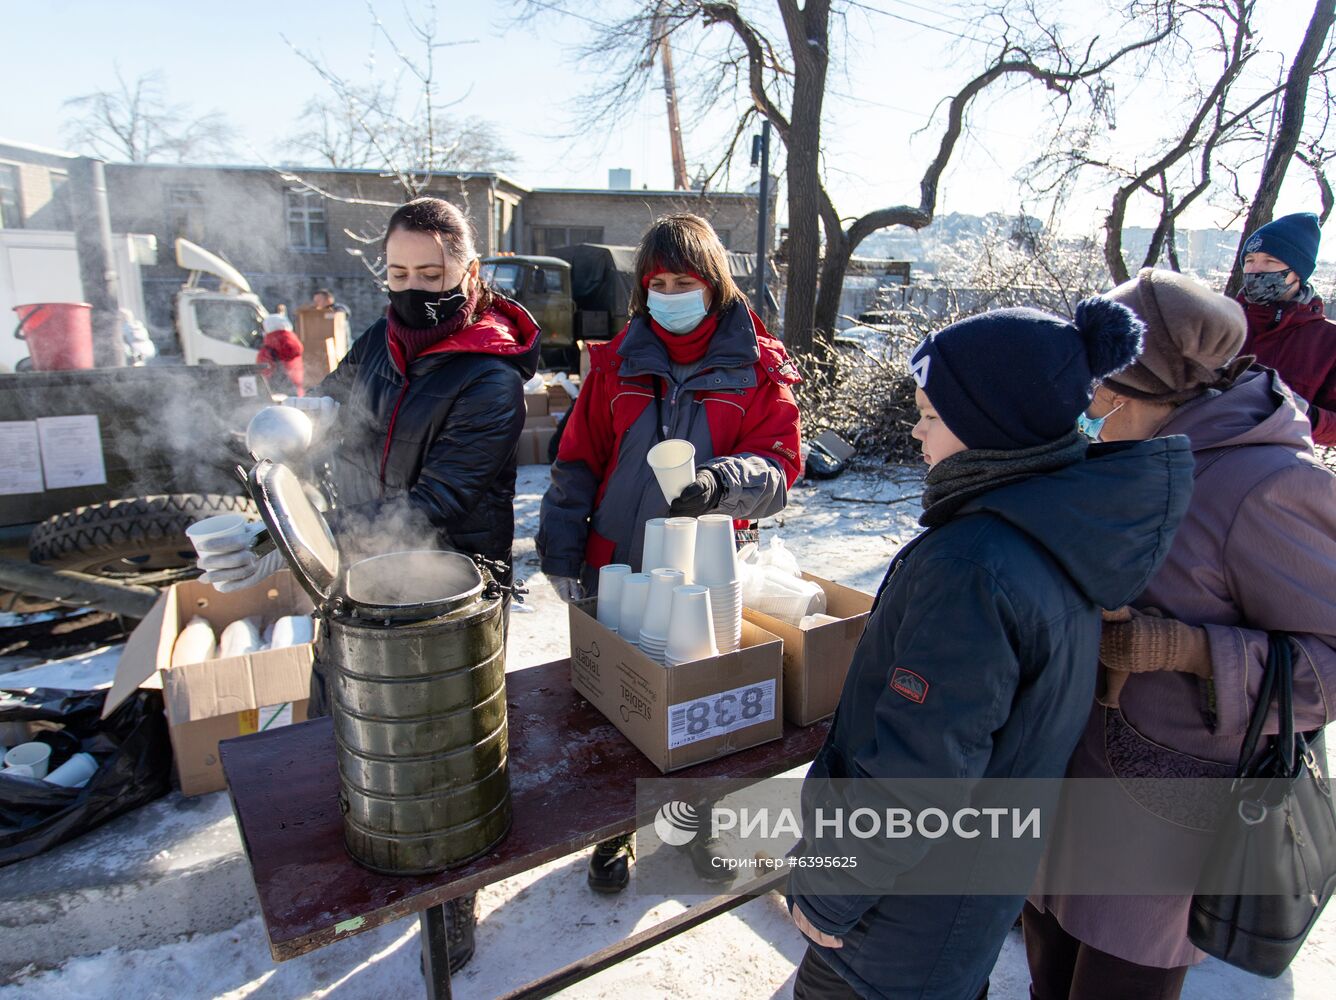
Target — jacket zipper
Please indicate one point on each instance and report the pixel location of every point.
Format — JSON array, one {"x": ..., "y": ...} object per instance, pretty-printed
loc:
[{"x": 389, "y": 435}]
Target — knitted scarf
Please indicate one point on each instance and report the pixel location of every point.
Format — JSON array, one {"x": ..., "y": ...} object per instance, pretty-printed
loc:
[
  {"x": 413, "y": 341},
  {"x": 967, "y": 474}
]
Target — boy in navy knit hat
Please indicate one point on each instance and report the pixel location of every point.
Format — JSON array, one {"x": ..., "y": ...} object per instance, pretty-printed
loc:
[
  {"x": 1287, "y": 327},
  {"x": 980, "y": 655}
]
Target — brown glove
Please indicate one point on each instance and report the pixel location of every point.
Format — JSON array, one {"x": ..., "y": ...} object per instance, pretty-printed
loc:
[{"x": 1138, "y": 642}]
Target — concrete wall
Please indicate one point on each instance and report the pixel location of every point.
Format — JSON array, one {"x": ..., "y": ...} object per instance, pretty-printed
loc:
[
  {"x": 242, "y": 215},
  {"x": 42, "y": 175},
  {"x": 625, "y": 215}
]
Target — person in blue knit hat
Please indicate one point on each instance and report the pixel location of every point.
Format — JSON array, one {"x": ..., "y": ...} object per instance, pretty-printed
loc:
[
  {"x": 980, "y": 655},
  {"x": 1288, "y": 329}
]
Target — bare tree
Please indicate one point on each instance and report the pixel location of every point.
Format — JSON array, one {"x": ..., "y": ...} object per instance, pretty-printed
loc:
[
  {"x": 1312, "y": 60},
  {"x": 1217, "y": 139},
  {"x": 362, "y": 128},
  {"x": 781, "y": 73},
  {"x": 135, "y": 122}
]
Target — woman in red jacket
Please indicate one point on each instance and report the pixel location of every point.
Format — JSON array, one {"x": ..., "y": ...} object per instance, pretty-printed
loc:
[{"x": 693, "y": 363}]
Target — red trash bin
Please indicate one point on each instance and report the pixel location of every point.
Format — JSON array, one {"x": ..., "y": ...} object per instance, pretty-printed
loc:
[{"x": 59, "y": 334}]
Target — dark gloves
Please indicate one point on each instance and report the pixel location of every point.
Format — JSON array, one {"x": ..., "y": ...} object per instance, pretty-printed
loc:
[{"x": 700, "y": 497}]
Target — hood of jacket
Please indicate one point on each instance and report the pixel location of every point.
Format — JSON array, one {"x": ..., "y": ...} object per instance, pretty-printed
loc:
[
  {"x": 1257, "y": 409},
  {"x": 1108, "y": 519},
  {"x": 505, "y": 330}
]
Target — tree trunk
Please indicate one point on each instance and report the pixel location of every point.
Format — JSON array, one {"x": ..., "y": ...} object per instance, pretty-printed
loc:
[{"x": 1292, "y": 112}]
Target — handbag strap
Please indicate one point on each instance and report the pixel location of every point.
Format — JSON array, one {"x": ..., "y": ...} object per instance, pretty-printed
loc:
[
  {"x": 1273, "y": 687},
  {"x": 1284, "y": 653}
]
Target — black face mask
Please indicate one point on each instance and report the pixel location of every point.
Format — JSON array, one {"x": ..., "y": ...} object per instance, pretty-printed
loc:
[{"x": 422, "y": 309}]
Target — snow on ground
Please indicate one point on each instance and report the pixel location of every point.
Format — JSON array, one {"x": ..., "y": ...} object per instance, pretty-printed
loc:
[{"x": 846, "y": 531}]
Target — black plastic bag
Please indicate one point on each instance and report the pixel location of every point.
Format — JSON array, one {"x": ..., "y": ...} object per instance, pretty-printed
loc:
[{"x": 133, "y": 754}]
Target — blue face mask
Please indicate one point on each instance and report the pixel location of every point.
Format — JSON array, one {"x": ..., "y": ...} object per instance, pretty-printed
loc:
[
  {"x": 680, "y": 313},
  {"x": 1092, "y": 427}
]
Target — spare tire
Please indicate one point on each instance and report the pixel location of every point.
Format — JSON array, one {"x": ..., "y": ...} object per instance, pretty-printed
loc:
[{"x": 125, "y": 539}]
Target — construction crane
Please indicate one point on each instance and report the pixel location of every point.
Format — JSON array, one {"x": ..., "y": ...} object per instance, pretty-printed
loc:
[{"x": 660, "y": 47}]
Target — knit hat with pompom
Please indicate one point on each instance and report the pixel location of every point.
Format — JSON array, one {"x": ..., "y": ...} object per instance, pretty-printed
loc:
[{"x": 1018, "y": 378}]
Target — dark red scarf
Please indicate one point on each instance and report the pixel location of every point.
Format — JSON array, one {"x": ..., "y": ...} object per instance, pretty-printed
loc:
[{"x": 412, "y": 342}]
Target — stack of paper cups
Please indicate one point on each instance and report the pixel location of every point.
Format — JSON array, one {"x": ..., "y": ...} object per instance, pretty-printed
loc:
[
  {"x": 651, "y": 557},
  {"x": 690, "y": 626},
  {"x": 635, "y": 589},
  {"x": 679, "y": 546},
  {"x": 610, "y": 593},
  {"x": 716, "y": 567},
  {"x": 658, "y": 612}
]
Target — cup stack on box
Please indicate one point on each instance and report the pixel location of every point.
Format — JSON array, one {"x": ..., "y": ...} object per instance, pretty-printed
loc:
[{"x": 716, "y": 568}]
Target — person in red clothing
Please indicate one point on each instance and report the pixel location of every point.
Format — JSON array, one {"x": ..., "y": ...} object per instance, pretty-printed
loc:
[
  {"x": 1287, "y": 328},
  {"x": 280, "y": 356},
  {"x": 693, "y": 363}
]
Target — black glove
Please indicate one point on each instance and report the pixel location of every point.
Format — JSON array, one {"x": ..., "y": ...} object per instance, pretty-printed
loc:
[{"x": 700, "y": 497}]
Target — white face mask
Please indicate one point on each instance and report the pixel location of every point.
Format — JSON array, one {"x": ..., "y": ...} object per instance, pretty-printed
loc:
[{"x": 679, "y": 313}]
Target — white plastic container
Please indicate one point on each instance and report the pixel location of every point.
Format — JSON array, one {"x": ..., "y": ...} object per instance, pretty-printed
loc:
[
  {"x": 679, "y": 546},
  {"x": 674, "y": 465},
  {"x": 35, "y": 757},
  {"x": 292, "y": 630},
  {"x": 651, "y": 554},
  {"x": 631, "y": 611},
  {"x": 610, "y": 593},
  {"x": 75, "y": 772},
  {"x": 195, "y": 644},
  {"x": 690, "y": 626},
  {"x": 240, "y": 637}
]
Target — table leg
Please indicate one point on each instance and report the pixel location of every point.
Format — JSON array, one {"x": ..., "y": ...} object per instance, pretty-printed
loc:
[{"x": 435, "y": 952}]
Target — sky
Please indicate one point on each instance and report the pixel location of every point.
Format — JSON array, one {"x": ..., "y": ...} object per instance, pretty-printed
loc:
[{"x": 893, "y": 61}]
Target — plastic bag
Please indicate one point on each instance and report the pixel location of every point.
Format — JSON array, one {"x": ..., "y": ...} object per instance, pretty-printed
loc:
[
  {"x": 776, "y": 554},
  {"x": 772, "y": 583},
  {"x": 133, "y": 754}
]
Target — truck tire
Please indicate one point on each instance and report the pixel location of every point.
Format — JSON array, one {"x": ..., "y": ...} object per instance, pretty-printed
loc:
[{"x": 128, "y": 539}]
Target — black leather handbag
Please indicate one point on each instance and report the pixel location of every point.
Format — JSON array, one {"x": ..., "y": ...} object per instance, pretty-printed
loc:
[{"x": 1276, "y": 843}]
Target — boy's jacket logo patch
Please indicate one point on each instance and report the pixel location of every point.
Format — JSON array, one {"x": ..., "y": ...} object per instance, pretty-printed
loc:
[{"x": 909, "y": 684}]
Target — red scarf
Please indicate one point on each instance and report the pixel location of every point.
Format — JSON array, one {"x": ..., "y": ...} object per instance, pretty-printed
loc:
[
  {"x": 687, "y": 348},
  {"x": 412, "y": 341}
]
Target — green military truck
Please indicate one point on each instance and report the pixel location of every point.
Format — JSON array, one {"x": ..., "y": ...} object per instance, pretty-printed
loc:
[{"x": 583, "y": 292}]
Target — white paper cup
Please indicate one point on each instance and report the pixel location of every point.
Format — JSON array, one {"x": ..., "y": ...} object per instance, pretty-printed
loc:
[
  {"x": 20, "y": 771},
  {"x": 75, "y": 772},
  {"x": 651, "y": 556},
  {"x": 679, "y": 546},
  {"x": 659, "y": 606},
  {"x": 690, "y": 626},
  {"x": 34, "y": 755},
  {"x": 716, "y": 556},
  {"x": 631, "y": 610},
  {"x": 610, "y": 592},
  {"x": 202, "y": 532},
  {"x": 674, "y": 465},
  {"x": 726, "y": 605}
]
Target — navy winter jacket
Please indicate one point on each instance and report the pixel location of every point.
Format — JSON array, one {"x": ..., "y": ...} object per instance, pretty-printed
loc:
[{"x": 979, "y": 661}]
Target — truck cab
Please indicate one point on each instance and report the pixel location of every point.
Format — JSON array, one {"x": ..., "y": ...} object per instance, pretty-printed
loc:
[
  {"x": 543, "y": 286},
  {"x": 223, "y": 327}
]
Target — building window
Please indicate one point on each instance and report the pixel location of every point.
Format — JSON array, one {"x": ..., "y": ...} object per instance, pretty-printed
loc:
[
  {"x": 185, "y": 213},
  {"x": 548, "y": 238},
  {"x": 306, "y": 222},
  {"x": 11, "y": 211}
]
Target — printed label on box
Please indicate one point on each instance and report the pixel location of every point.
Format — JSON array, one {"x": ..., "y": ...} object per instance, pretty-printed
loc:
[
  {"x": 720, "y": 713},
  {"x": 257, "y": 720}
]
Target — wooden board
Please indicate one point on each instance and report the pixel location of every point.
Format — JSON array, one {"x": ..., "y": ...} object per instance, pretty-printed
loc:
[{"x": 572, "y": 779}]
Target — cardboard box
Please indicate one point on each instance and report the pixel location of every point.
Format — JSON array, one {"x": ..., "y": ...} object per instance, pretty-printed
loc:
[
  {"x": 217, "y": 699},
  {"x": 324, "y": 337},
  {"x": 816, "y": 660},
  {"x": 734, "y": 699},
  {"x": 535, "y": 404},
  {"x": 559, "y": 399},
  {"x": 535, "y": 439}
]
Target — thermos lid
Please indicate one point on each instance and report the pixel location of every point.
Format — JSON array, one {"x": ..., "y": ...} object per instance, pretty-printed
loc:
[{"x": 298, "y": 529}]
